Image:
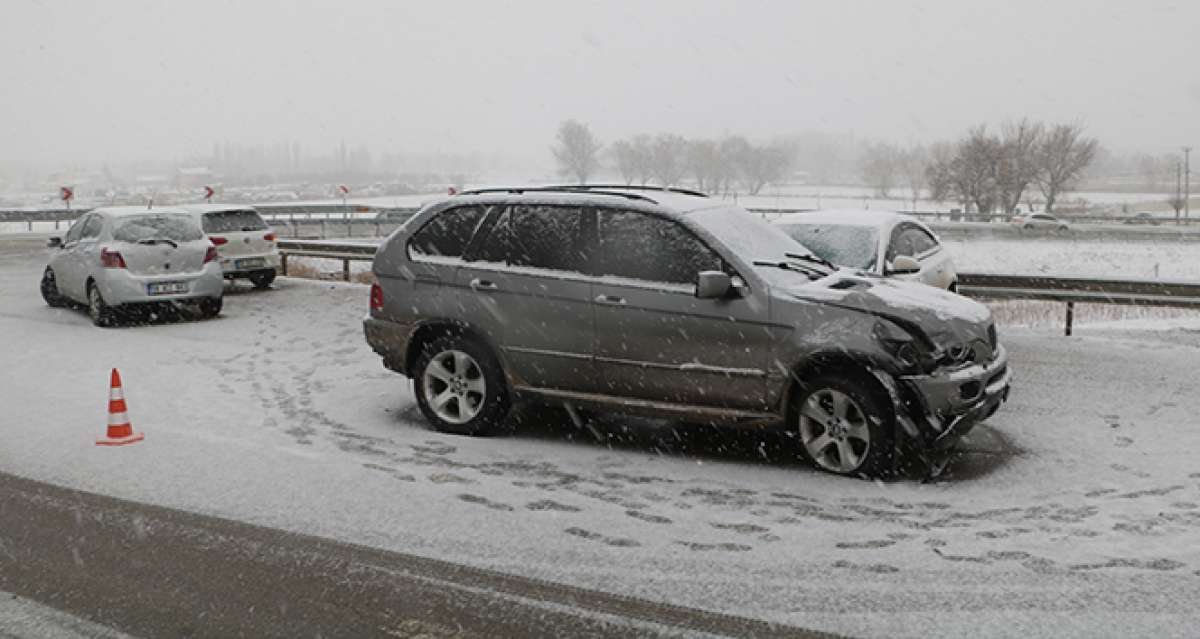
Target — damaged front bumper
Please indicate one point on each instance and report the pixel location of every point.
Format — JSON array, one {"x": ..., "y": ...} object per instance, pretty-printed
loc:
[{"x": 936, "y": 410}]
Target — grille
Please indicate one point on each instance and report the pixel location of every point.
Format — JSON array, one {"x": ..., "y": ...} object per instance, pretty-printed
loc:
[{"x": 991, "y": 331}]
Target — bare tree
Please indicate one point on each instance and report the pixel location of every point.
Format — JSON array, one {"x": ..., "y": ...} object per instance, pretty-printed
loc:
[
  {"x": 967, "y": 171},
  {"x": 1176, "y": 202},
  {"x": 914, "y": 168},
  {"x": 668, "y": 158},
  {"x": 577, "y": 151},
  {"x": 763, "y": 165},
  {"x": 626, "y": 156},
  {"x": 1062, "y": 156},
  {"x": 1018, "y": 161},
  {"x": 878, "y": 167}
]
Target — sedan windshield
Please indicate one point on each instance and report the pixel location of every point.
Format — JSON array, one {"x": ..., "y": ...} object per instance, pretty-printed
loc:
[
  {"x": 845, "y": 245},
  {"x": 157, "y": 226}
]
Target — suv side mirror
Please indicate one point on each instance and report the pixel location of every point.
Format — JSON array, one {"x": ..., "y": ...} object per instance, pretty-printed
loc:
[
  {"x": 54, "y": 242},
  {"x": 904, "y": 265},
  {"x": 712, "y": 284}
]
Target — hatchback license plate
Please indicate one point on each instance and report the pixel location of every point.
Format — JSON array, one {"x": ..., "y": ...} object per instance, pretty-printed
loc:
[
  {"x": 167, "y": 288},
  {"x": 253, "y": 262}
]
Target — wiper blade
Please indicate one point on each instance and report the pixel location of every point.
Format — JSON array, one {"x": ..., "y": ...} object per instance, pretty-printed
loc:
[
  {"x": 811, "y": 258},
  {"x": 812, "y": 273}
]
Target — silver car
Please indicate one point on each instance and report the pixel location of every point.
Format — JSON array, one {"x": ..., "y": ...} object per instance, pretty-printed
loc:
[
  {"x": 245, "y": 244},
  {"x": 115, "y": 259},
  {"x": 675, "y": 305},
  {"x": 880, "y": 242}
]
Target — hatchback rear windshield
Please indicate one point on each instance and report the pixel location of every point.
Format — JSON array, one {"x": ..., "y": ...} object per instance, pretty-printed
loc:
[
  {"x": 169, "y": 226},
  {"x": 233, "y": 222}
]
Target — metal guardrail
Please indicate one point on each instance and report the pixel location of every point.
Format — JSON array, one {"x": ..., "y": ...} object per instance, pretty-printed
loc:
[
  {"x": 984, "y": 286},
  {"x": 333, "y": 213},
  {"x": 1073, "y": 290}
]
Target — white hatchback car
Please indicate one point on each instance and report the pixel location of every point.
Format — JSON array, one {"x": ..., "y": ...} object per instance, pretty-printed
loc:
[
  {"x": 115, "y": 258},
  {"x": 880, "y": 242},
  {"x": 245, "y": 243}
]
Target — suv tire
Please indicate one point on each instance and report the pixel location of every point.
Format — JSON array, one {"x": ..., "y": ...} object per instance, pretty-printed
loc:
[
  {"x": 50, "y": 292},
  {"x": 844, "y": 425},
  {"x": 460, "y": 386}
]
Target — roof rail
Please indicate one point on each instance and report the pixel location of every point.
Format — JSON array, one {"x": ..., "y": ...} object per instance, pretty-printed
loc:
[
  {"x": 630, "y": 187},
  {"x": 555, "y": 189}
]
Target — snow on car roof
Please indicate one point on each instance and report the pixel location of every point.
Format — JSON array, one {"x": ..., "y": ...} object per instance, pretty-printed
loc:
[{"x": 847, "y": 217}]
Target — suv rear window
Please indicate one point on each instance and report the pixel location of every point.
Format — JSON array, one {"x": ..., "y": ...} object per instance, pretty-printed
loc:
[
  {"x": 169, "y": 226},
  {"x": 447, "y": 234},
  {"x": 233, "y": 222}
]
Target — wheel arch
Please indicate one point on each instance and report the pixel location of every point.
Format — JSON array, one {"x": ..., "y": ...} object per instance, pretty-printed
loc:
[
  {"x": 856, "y": 365},
  {"x": 431, "y": 330}
]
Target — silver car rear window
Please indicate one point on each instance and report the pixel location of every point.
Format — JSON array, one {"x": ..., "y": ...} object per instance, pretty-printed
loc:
[
  {"x": 170, "y": 226},
  {"x": 233, "y": 222}
]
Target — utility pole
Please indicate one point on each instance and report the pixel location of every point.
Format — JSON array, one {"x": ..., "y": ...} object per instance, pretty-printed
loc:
[{"x": 1178, "y": 189}]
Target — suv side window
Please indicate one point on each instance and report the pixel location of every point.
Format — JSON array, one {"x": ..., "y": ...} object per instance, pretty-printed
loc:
[
  {"x": 447, "y": 234},
  {"x": 537, "y": 236},
  {"x": 646, "y": 247}
]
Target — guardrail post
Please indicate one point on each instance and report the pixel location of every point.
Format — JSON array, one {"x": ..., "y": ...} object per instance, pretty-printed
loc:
[
  {"x": 376, "y": 229},
  {"x": 1070, "y": 316},
  {"x": 283, "y": 264},
  {"x": 346, "y": 270},
  {"x": 349, "y": 228},
  {"x": 322, "y": 228},
  {"x": 30, "y": 225}
]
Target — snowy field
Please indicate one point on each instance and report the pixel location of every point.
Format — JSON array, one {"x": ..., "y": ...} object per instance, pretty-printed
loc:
[{"x": 1075, "y": 511}]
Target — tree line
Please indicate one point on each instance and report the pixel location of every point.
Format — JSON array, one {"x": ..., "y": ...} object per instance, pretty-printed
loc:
[
  {"x": 988, "y": 171},
  {"x": 715, "y": 166}
]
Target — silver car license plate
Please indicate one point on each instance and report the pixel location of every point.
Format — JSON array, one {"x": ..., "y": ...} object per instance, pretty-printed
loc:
[
  {"x": 166, "y": 288},
  {"x": 253, "y": 262}
]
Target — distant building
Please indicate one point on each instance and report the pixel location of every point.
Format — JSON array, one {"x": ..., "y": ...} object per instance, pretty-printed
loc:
[{"x": 193, "y": 177}]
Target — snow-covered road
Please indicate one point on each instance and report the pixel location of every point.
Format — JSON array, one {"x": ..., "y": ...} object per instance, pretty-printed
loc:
[{"x": 1074, "y": 512}]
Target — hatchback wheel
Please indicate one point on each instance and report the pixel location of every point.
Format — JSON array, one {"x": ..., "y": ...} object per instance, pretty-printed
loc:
[
  {"x": 460, "y": 386},
  {"x": 50, "y": 290},
  {"x": 101, "y": 313},
  {"x": 262, "y": 279},
  {"x": 844, "y": 426}
]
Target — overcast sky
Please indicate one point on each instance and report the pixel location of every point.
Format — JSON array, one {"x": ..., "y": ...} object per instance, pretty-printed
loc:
[{"x": 116, "y": 80}]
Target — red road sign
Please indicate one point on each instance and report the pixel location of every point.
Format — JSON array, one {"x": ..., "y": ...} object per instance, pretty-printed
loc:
[
  {"x": 208, "y": 192},
  {"x": 67, "y": 193},
  {"x": 344, "y": 189},
  {"x": 452, "y": 191}
]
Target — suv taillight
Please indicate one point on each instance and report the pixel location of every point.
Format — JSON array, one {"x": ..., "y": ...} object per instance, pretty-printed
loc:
[
  {"x": 270, "y": 237},
  {"x": 210, "y": 255},
  {"x": 111, "y": 259},
  {"x": 217, "y": 241},
  {"x": 376, "y": 297}
]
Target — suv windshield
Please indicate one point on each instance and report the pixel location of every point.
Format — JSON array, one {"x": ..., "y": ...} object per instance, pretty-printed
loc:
[
  {"x": 168, "y": 226},
  {"x": 233, "y": 221},
  {"x": 748, "y": 236},
  {"x": 852, "y": 246}
]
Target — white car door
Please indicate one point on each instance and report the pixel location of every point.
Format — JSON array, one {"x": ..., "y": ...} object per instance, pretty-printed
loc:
[{"x": 66, "y": 263}]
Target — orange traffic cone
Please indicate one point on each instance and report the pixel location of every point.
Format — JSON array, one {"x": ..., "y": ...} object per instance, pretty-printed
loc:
[{"x": 120, "y": 431}]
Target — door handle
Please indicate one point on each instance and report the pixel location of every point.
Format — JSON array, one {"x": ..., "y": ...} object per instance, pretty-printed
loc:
[
  {"x": 484, "y": 285},
  {"x": 610, "y": 300}
]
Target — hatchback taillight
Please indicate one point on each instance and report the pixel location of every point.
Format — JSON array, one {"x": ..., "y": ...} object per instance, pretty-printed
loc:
[
  {"x": 376, "y": 297},
  {"x": 111, "y": 259},
  {"x": 217, "y": 241},
  {"x": 210, "y": 255},
  {"x": 270, "y": 237}
]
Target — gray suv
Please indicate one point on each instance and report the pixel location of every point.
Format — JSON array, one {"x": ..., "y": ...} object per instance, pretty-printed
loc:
[{"x": 668, "y": 303}]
